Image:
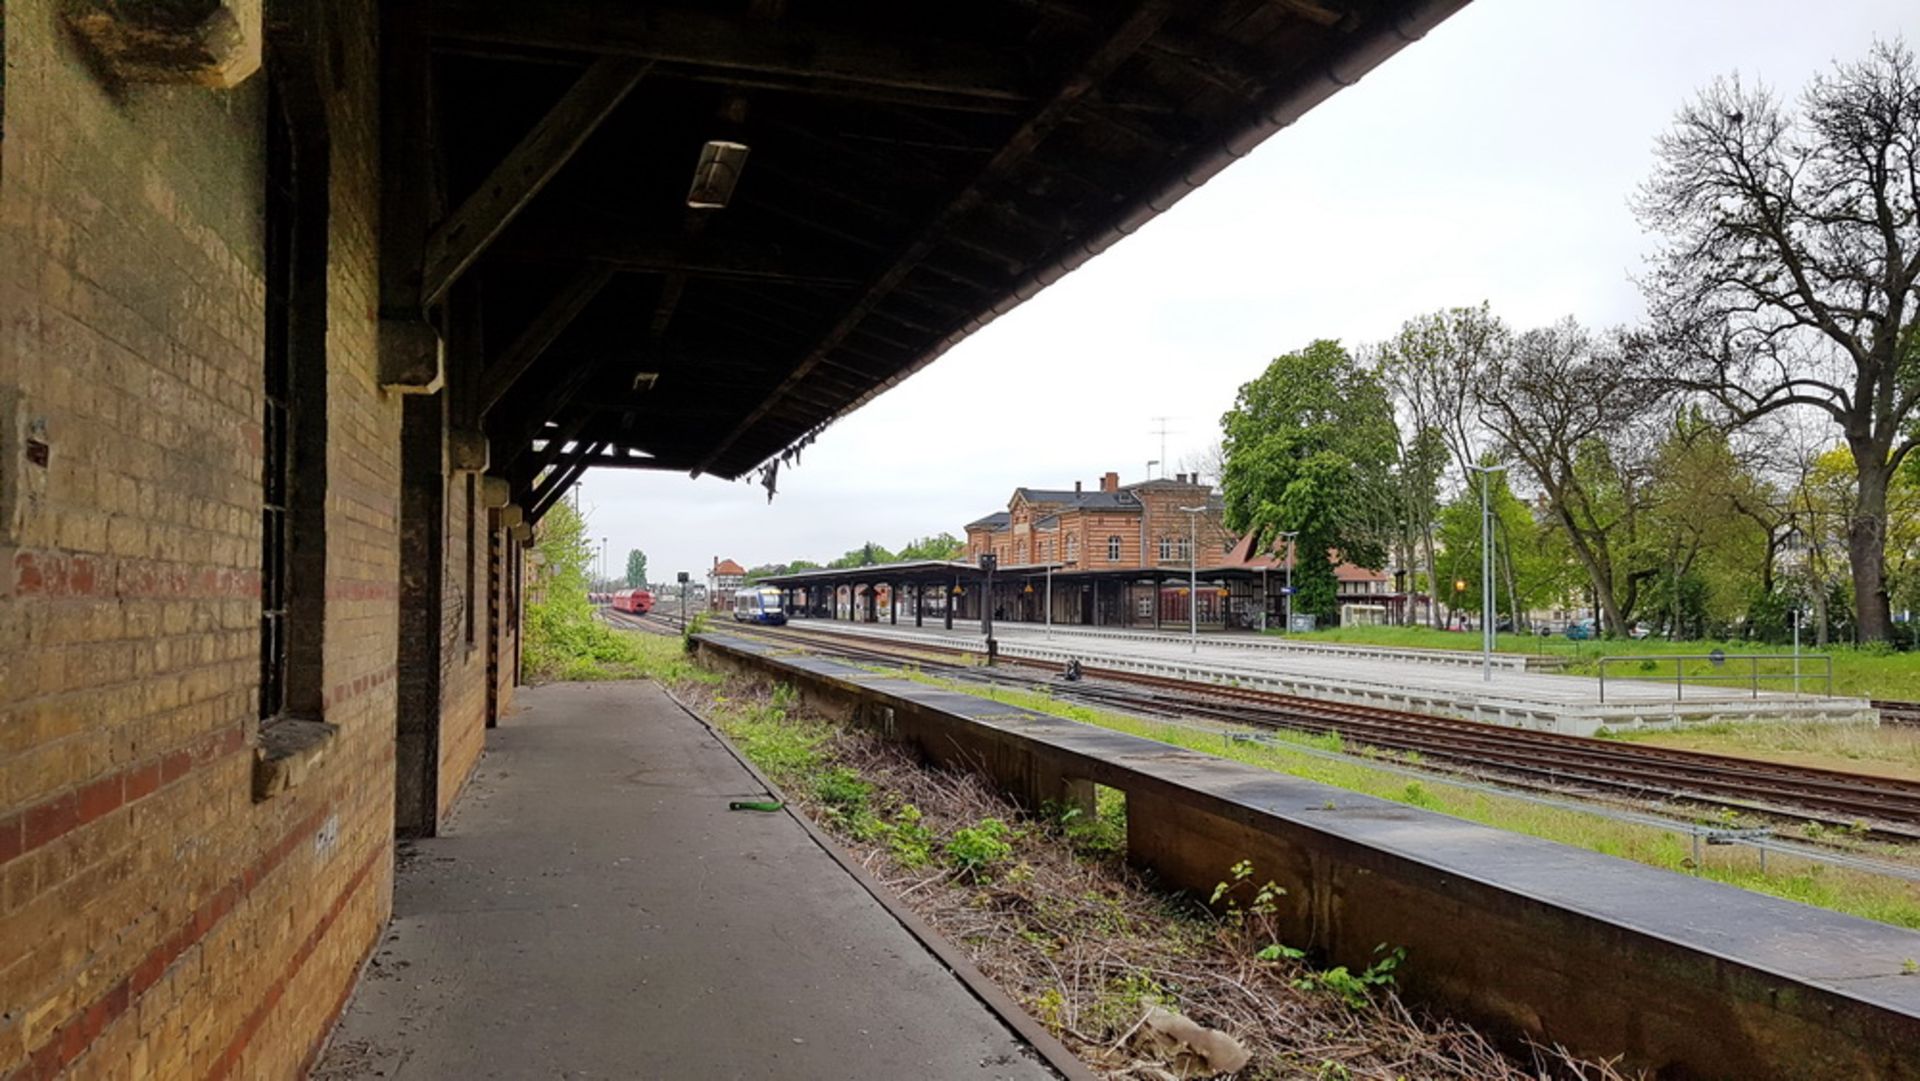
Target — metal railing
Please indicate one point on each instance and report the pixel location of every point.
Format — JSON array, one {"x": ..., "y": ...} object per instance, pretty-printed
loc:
[{"x": 1751, "y": 677}]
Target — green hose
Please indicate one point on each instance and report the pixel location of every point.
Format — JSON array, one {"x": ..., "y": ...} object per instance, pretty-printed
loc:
[{"x": 754, "y": 805}]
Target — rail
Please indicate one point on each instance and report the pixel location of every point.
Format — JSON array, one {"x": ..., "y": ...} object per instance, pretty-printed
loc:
[{"x": 1646, "y": 662}]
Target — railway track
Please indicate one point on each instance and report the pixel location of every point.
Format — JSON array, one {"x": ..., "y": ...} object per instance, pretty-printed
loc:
[
  {"x": 1894, "y": 712},
  {"x": 1552, "y": 761}
]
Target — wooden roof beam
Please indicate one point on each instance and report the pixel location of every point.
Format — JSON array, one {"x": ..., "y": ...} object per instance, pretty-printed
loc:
[
  {"x": 603, "y": 243},
  {"x": 507, "y": 369},
  {"x": 742, "y": 47},
  {"x": 456, "y": 242}
]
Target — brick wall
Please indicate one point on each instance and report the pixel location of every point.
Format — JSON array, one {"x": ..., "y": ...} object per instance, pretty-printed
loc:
[{"x": 154, "y": 918}]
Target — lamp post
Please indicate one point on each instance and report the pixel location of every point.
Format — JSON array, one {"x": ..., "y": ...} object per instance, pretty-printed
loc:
[
  {"x": 1049, "y": 603},
  {"x": 1291, "y": 538},
  {"x": 603, "y": 561},
  {"x": 1193, "y": 573},
  {"x": 988, "y": 563},
  {"x": 1486, "y": 569}
]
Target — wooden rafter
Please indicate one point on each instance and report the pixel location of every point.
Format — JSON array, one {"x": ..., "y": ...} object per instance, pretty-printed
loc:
[
  {"x": 742, "y": 50},
  {"x": 507, "y": 369},
  {"x": 458, "y": 241}
]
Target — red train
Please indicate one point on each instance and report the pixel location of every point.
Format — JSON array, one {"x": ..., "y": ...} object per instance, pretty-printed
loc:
[{"x": 636, "y": 602}]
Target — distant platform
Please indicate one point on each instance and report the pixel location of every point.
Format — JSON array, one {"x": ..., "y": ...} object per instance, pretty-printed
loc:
[{"x": 1420, "y": 681}]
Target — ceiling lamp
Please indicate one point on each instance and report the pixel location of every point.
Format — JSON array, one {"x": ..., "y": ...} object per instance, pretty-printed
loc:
[{"x": 716, "y": 174}]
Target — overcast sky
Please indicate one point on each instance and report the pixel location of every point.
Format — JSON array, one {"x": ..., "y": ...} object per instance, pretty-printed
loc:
[{"x": 1492, "y": 161}]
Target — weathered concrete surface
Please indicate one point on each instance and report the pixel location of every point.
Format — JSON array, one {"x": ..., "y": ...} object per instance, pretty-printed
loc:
[{"x": 593, "y": 910}]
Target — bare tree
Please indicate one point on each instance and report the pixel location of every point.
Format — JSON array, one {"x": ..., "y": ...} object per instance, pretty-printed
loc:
[
  {"x": 1568, "y": 408},
  {"x": 1787, "y": 276},
  {"x": 1430, "y": 369}
]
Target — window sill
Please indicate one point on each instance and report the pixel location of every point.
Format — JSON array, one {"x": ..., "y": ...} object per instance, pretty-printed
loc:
[{"x": 286, "y": 753}]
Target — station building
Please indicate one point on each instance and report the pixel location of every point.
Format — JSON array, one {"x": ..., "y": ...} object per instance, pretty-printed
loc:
[{"x": 310, "y": 311}]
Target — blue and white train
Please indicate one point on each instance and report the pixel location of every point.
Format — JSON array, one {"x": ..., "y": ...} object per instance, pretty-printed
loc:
[{"x": 758, "y": 604}]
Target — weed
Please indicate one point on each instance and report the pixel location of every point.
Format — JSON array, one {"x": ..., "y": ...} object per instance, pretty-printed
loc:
[
  {"x": 1910, "y": 967},
  {"x": 1357, "y": 990},
  {"x": 974, "y": 850}
]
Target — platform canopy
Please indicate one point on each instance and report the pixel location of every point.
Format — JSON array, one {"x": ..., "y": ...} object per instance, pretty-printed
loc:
[{"x": 875, "y": 180}]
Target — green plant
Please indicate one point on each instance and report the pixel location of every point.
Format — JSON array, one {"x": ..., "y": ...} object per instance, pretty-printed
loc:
[
  {"x": 910, "y": 842},
  {"x": 1910, "y": 967},
  {"x": 784, "y": 696},
  {"x": 1357, "y": 989},
  {"x": 974, "y": 850},
  {"x": 1278, "y": 952},
  {"x": 843, "y": 792}
]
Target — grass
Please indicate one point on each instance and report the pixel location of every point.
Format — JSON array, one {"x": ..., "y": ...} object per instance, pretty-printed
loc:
[
  {"x": 1866, "y": 672},
  {"x": 1875, "y": 897},
  {"x": 1888, "y": 750},
  {"x": 623, "y": 654}
]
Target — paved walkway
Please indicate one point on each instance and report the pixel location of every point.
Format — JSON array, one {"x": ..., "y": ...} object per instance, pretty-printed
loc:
[{"x": 595, "y": 911}]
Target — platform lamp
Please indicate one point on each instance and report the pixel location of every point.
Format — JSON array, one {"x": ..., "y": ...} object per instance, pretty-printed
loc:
[
  {"x": 1193, "y": 573},
  {"x": 1290, "y": 536},
  {"x": 1486, "y": 568},
  {"x": 988, "y": 564}
]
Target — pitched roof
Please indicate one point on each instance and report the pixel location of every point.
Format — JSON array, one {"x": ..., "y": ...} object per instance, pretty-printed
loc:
[
  {"x": 1083, "y": 500},
  {"x": 728, "y": 566},
  {"x": 996, "y": 521}
]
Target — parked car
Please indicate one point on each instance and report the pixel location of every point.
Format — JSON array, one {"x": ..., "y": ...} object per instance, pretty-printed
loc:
[
  {"x": 1639, "y": 630},
  {"x": 1580, "y": 630}
]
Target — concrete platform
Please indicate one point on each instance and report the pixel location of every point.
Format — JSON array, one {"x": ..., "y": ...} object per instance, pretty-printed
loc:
[
  {"x": 594, "y": 911},
  {"x": 1389, "y": 678}
]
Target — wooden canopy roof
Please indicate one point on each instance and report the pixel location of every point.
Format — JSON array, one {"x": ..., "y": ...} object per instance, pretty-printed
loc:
[{"x": 912, "y": 171}]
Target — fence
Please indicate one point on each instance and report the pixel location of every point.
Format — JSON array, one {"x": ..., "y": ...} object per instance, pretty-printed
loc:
[{"x": 1717, "y": 661}]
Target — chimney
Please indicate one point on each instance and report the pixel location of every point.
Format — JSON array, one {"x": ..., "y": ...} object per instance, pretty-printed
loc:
[
  {"x": 1110, "y": 482},
  {"x": 1076, "y": 487},
  {"x": 1179, "y": 478}
]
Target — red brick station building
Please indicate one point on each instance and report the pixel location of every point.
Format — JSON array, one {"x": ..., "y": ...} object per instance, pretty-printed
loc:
[
  {"x": 309, "y": 311},
  {"x": 1114, "y": 555}
]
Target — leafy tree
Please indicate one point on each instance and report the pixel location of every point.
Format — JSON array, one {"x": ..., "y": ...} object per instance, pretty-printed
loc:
[
  {"x": 1534, "y": 568},
  {"x": 765, "y": 570},
  {"x": 1305, "y": 443},
  {"x": 637, "y": 569},
  {"x": 1566, "y": 407},
  {"x": 562, "y": 637},
  {"x": 867, "y": 555},
  {"x": 1787, "y": 280},
  {"x": 939, "y": 546},
  {"x": 1701, "y": 535}
]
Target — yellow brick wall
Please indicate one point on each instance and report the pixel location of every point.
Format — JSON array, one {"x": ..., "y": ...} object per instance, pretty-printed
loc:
[{"x": 154, "y": 919}]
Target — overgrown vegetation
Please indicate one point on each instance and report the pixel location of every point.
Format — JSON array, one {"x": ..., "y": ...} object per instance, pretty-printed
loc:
[
  {"x": 1046, "y": 907},
  {"x": 1875, "y": 897},
  {"x": 563, "y": 640}
]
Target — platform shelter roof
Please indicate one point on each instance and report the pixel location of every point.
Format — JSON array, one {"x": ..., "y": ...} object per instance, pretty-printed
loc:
[{"x": 690, "y": 235}]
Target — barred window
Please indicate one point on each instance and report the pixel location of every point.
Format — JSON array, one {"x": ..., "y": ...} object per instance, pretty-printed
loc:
[{"x": 292, "y": 414}]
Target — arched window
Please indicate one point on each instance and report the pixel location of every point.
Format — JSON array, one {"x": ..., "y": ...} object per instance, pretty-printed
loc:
[{"x": 1113, "y": 549}]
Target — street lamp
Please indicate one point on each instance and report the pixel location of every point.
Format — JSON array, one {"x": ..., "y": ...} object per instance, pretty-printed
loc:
[
  {"x": 1193, "y": 572},
  {"x": 1486, "y": 568},
  {"x": 1291, "y": 538}
]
